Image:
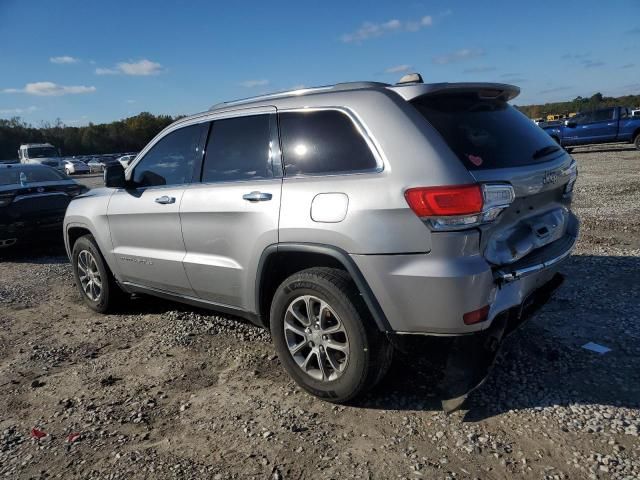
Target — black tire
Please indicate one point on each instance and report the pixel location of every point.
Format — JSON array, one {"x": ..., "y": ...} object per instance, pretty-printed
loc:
[
  {"x": 369, "y": 351},
  {"x": 636, "y": 141},
  {"x": 110, "y": 296},
  {"x": 568, "y": 149}
]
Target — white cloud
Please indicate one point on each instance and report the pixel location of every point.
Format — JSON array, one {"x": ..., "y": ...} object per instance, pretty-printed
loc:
[
  {"x": 458, "y": 56},
  {"x": 397, "y": 69},
  {"x": 254, "y": 83},
  {"x": 50, "y": 89},
  {"x": 64, "y": 59},
  {"x": 372, "y": 30},
  {"x": 130, "y": 101},
  {"x": 18, "y": 111},
  {"x": 140, "y": 68},
  {"x": 107, "y": 71}
]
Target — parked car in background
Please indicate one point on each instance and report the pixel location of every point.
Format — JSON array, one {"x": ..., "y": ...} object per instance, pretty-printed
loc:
[
  {"x": 40, "y": 153},
  {"x": 72, "y": 167},
  {"x": 343, "y": 218},
  {"x": 635, "y": 113},
  {"x": 606, "y": 125},
  {"x": 98, "y": 164},
  {"x": 33, "y": 199},
  {"x": 125, "y": 160}
]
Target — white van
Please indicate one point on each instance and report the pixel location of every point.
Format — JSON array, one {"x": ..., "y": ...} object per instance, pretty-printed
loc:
[{"x": 40, "y": 153}]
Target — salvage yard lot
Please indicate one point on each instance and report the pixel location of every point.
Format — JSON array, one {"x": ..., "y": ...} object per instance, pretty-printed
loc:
[{"x": 165, "y": 391}]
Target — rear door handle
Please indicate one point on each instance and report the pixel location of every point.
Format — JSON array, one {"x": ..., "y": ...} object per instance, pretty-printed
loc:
[
  {"x": 257, "y": 196},
  {"x": 165, "y": 199}
]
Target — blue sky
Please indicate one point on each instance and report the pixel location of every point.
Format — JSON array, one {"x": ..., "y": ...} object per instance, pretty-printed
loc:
[{"x": 99, "y": 61}]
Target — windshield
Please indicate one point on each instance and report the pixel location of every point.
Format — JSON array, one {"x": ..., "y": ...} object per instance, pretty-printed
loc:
[
  {"x": 41, "y": 152},
  {"x": 486, "y": 133},
  {"x": 17, "y": 175}
]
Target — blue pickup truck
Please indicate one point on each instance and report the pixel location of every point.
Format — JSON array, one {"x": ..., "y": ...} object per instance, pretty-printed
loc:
[{"x": 606, "y": 125}]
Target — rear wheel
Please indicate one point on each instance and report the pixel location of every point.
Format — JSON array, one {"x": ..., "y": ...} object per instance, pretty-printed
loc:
[
  {"x": 324, "y": 337},
  {"x": 95, "y": 282}
]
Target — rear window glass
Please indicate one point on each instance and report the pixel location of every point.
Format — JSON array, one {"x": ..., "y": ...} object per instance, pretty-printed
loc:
[
  {"x": 324, "y": 141},
  {"x": 17, "y": 175},
  {"x": 487, "y": 134}
]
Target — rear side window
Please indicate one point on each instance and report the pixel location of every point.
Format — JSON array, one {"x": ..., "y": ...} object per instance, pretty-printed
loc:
[
  {"x": 239, "y": 149},
  {"x": 486, "y": 134},
  {"x": 322, "y": 141}
]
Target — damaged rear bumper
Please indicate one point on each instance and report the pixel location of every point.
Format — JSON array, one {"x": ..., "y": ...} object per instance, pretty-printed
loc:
[{"x": 471, "y": 357}]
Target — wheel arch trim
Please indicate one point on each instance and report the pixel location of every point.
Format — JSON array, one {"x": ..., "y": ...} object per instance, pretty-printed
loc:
[{"x": 335, "y": 253}]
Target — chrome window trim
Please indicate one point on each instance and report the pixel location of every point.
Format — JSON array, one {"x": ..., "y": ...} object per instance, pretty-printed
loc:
[
  {"x": 195, "y": 120},
  {"x": 363, "y": 130}
]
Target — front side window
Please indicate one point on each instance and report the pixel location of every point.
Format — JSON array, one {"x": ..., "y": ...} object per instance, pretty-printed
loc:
[
  {"x": 322, "y": 141},
  {"x": 171, "y": 160},
  {"x": 603, "y": 115},
  {"x": 239, "y": 148}
]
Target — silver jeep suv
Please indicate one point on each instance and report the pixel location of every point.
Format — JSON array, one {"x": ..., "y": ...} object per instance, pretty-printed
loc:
[{"x": 343, "y": 218}]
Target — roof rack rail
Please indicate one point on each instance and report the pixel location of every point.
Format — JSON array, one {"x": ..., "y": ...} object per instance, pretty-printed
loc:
[{"x": 301, "y": 91}]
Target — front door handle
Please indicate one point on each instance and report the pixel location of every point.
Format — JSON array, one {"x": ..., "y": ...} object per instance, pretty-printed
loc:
[
  {"x": 165, "y": 199},
  {"x": 257, "y": 196}
]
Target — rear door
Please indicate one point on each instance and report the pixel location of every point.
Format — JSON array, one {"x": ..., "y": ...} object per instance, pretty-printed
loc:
[
  {"x": 231, "y": 215},
  {"x": 145, "y": 220}
]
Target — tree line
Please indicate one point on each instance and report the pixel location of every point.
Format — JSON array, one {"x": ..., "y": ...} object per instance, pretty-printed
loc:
[
  {"x": 579, "y": 104},
  {"x": 127, "y": 135}
]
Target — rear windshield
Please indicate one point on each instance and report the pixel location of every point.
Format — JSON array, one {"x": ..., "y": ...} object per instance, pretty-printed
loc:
[
  {"x": 17, "y": 175},
  {"x": 485, "y": 133}
]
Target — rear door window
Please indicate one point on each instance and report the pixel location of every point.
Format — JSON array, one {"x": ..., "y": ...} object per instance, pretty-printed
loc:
[
  {"x": 323, "y": 142},
  {"x": 486, "y": 133},
  {"x": 240, "y": 148}
]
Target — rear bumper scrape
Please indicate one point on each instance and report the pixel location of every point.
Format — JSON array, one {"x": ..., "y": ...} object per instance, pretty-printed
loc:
[{"x": 471, "y": 356}]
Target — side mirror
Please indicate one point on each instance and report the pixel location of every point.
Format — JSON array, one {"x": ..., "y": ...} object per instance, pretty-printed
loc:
[{"x": 114, "y": 176}]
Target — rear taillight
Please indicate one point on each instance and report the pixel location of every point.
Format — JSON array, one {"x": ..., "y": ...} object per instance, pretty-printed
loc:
[
  {"x": 6, "y": 198},
  {"x": 460, "y": 206}
]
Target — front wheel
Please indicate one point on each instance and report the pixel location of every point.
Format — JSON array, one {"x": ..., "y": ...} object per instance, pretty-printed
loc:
[
  {"x": 636, "y": 141},
  {"x": 568, "y": 149},
  {"x": 95, "y": 282},
  {"x": 324, "y": 336}
]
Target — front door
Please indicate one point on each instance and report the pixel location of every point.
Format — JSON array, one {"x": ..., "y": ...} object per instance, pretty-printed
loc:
[
  {"x": 144, "y": 219},
  {"x": 231, "y": 215}
]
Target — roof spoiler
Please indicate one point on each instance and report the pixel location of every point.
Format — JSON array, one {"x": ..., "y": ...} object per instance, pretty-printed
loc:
[{"x": 486, "y": 90}]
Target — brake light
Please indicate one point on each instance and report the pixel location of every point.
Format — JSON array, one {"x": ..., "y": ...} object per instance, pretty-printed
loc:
[
  {"x": 476, "y": 316},
  {"x": 460, "y": 206},
  {"x": 445, "y": 201}
]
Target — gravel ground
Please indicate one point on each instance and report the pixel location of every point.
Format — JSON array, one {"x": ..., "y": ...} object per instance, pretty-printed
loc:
[{"x": 165, "y": 391}]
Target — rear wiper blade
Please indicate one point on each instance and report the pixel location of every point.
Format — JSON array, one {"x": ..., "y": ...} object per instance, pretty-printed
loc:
[{"x": 544, "y": 151}]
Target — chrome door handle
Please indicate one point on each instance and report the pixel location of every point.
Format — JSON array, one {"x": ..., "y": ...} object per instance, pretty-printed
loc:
[
  {"x": 165, "y": 199},
  {"x": 257, "y": 196}
]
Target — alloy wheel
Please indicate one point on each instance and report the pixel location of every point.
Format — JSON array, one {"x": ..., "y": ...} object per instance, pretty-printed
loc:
[
  {"x": 89, "y": 275},
  {"x": 316, "y": 338}
]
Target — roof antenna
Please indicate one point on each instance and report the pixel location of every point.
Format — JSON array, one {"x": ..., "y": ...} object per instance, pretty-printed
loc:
[{"x": 410, "y": 78}]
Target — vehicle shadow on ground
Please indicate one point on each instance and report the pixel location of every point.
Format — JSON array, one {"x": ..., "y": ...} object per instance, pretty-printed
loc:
[{"x": 543, "y": 363}]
